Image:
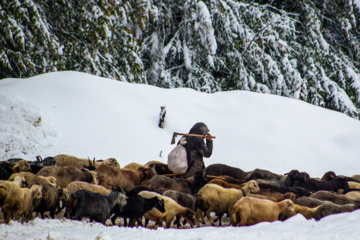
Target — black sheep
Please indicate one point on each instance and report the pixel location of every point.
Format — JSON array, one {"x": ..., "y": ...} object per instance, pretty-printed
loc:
[
  {"x": 96, "y": 206},
  {"x": 136, "y": 207}
]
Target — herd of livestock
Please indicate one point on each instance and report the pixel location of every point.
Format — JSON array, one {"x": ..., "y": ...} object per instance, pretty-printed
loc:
[{"x": 78, "y": 188}]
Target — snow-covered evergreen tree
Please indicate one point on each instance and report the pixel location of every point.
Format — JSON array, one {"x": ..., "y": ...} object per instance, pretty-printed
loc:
[{"x": 307, "y": 49}]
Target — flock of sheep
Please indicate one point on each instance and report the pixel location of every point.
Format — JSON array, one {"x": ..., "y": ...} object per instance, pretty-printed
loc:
[{"x": 101, "y": 190}]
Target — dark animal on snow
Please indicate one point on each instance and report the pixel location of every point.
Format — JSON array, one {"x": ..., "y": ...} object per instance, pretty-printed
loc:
[
  {"x": 96, "y": 206},
  {"x": 223, "y": 169}
]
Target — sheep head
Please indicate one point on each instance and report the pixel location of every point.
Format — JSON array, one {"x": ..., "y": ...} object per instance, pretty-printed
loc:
[
  {"x": 252, "y": 187},
  {"x": 21, "y": 166}
]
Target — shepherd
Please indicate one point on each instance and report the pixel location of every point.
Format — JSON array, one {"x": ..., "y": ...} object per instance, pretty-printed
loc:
[{"x": 196, "y": 149}]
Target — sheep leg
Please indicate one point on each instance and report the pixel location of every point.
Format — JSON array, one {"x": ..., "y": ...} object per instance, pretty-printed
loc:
[
  {"x": 207, "y": 213},
  {"x": 219, "y": 217},
  {"x": 132, "y": 222},
  {"x": 146, "y": 221},
  {"x": 177, "y": 221},
  {"x": 113, "y": 219},
  {"x": 139, "y": 222}
]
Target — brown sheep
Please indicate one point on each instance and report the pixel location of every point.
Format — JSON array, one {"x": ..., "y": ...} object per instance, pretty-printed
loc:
[
  {"x": 172, "y": 209},
  {"x": 220, "y": 200},
  {"x": 66, "y": 175},
  {"x": 249, "y": 211},
  {"x": 19, "y": 203},
  {"x": 332, "y": 197},
  {"x": 31, "y": 177},
  {"x": 125, "y": 178},
  {"x": 21, "y": 166}
]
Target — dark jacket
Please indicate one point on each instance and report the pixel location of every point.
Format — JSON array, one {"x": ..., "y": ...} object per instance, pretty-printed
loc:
[{"x": 197, "y": 149}]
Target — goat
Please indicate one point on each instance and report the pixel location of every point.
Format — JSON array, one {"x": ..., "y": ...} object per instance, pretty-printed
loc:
[
  {"x": 96, "y": 206},
  {"x": 172, "y": 209},
  {"x": 249, "y": 211},
  {"x": 68, "y": 174},
  {"x": 187, "y": 200},
  {"x": 223, "y": 169},
  {"x": 19, "y": 203},
  {"x": 220, "y": 200},
  {"x": 127, "y": 179}
]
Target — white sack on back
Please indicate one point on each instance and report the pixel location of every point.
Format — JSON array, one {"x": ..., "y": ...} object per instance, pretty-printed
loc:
[{"x": 177, "y": 158}]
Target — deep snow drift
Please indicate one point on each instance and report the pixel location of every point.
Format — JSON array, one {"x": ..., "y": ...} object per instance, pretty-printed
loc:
[{"x": 88, "y": 116}]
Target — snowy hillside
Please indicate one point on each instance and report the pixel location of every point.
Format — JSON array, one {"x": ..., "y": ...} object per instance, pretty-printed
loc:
[{"x": 88, "y": 116}]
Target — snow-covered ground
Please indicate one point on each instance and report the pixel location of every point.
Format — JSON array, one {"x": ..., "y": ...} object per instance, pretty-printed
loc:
[{"x": 88, "y": 116}]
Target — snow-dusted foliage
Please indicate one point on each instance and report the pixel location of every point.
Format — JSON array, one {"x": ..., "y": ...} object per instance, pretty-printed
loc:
[{"x": 307, "y": 50}]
